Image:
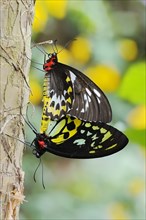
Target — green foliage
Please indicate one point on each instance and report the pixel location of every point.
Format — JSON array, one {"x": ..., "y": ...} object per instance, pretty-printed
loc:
[
  {"x": 137, "y": 136},
  {"x": 81, "y": 21},
  {"x": 133, "y": 84}
]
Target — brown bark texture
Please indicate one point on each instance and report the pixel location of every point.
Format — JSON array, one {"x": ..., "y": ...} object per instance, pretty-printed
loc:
[{"x": 16, "y": 22}]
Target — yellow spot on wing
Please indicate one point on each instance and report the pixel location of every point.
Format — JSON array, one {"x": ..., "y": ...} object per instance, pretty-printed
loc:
[
  {"x": 68, "y": 79},
  {"x": 95, "y": 127},
  {"x": 69, "y": 89},
  {"x": 59, "y": 139},
  {"x": 106, "y": 136},
  {"x": 92, "y": 152},
  {"x": 63, "y": 107},
  {"x": 112, "y": 146},
  {"x": 69, "y": 100},
  {"x": 87, "y": 125},
  {"x": 103, "y": 130}
]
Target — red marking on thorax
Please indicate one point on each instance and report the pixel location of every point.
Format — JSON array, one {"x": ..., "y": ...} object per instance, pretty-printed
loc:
[
  {"x": 48, "y": 66},
  {"x": 42, "y": 144}
]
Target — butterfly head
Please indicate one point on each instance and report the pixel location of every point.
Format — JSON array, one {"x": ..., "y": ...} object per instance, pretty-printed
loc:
[
  {"x": 50, "y": 62},
  {"x": 41, "y": 144}
]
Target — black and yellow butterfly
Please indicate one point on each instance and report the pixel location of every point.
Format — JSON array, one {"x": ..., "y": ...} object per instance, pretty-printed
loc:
[
  {"x": 72, "y": 138},
  {"x": 67, "y": 91}
]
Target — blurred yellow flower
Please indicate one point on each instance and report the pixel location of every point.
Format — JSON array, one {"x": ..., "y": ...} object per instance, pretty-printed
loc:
[
  {"x": 57, "y": 8},
  {"x": 118, "y": 212},
  {"x": 128, "y": 49},
  {"x": 36, "y": 89},
  {"x": 81, "y": 50},
  {"x": 136, "y": 186},
  {"x": 106, "y": 77},
  {"x": 40, "y": 16},
  {"x": 137, "y": 117}
]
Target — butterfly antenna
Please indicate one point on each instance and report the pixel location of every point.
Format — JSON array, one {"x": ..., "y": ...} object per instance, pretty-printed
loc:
[
  {"x": 26, "y": 143},
  {"x": 51, "y": 42},
  {"x": 66, "y": 45},
  {"x": 41, "y": 49}
]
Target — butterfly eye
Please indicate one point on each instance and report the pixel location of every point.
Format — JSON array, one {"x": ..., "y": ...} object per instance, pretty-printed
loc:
[{"x": 49, "y": 55}]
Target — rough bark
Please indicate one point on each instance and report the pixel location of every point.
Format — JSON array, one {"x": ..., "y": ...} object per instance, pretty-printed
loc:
[{"x": 16, "y": 20}]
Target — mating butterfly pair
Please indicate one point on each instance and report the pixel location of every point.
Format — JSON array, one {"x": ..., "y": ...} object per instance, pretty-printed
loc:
[{"x": 75, "y": 114}]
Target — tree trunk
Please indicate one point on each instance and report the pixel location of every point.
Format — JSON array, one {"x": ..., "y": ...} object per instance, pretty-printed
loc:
[{"x": 16, "y": 19}]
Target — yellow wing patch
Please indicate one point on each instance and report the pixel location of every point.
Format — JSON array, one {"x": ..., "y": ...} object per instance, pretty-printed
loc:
[{"x": 61, "y": 129}]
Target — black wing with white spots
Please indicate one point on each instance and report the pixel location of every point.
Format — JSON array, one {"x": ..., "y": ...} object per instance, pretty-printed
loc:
[
  {"x": 68, "y": 91},
  {"x": 90, "y": 103}
]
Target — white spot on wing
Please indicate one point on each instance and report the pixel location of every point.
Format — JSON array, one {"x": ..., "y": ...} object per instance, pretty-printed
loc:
[
  {"x": 82, "y": 131},
  {"x": 72, "y": 76},
  {"x": 94, "y": 137},
  {"x": 98, "y": 100},
  {"x": 57, "y": 99},
  {"x": 79, "y": 141},
  {"x": 89, "y": 99},
  {"x": 85, "y": 97},
  {"x": 97, "y": 93},
  {"x": 93, "y": 144},
  {"x": 88, "y": 91},
  {"x": 82, "y": 110},
  {"x": 86, "y": 106},
  {"x": 54, "y": 98},
  {"x": 89, "y": 133},
  {"x": 64, "y": 92}
]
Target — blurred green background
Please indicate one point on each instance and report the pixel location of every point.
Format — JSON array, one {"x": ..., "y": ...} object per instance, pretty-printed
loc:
[{"x": 110, "y": 49}]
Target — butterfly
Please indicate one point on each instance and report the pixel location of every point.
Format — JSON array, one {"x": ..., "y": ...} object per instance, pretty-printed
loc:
[
  {"x": 67, "y": 91},
  {"x": 73, "y": 138}
]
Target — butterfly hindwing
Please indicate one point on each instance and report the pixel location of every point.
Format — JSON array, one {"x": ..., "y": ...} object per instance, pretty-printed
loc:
[
  {"x": 57, "y": 94},
  {"x": 73, "y": 138}
]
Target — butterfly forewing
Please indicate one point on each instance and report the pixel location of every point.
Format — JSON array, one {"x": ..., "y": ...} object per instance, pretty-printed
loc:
[{"x": 90, "y": 103}]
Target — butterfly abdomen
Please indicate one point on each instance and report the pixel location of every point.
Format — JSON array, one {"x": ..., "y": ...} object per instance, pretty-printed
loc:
[{"x": 46, "y": 86}]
